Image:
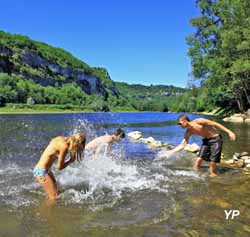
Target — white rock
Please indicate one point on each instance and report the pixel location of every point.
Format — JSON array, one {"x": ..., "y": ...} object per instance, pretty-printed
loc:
[
  {"x": 247, "y": 120},
  {"x": 142, "y": 139},
  {"x": 248, "y": 165},
  {"x": 231, "y": 161},
  {"x": 244, "y": 154},
  {"x": 192, "y": 147},
  {"x": 136, "y": 135},
  {"x": 245, "y": 157},
  {"x": 148, "y": 140},
  {"x": 247, "y": 161},
  {"x": 235, "y": 157},
  {"x": 156, "y": 144},
  {"x": 238, "y": 155},
  {"x": 235, "y": 119},
  {"x": 240, "y": 163},
  {"x": 237, "y": 115}
]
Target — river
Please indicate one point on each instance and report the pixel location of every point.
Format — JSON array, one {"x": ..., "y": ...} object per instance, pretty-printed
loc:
[{"x": 132, "y": 193}]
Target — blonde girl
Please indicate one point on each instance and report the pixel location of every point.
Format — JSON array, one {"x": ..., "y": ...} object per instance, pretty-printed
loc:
[{"x": 58, "y": 149}]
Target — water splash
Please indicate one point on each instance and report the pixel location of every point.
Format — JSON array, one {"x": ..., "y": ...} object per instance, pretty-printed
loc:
[
  {"x": 102, "y": 175},
  {"x": 103, "y": 180}
]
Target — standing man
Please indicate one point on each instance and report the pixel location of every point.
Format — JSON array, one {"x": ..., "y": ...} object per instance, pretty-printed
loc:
[
  {"x": 100, "y": 144},
  {"x": 212, "y": 141}
]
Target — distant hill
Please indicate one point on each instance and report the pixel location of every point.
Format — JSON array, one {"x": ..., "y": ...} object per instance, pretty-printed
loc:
[
  {"x": 36, "y": 73},
  {"x": 47, "y": 65},
  {"x": 142, "y": 91},
  {"x": 149, "y": 98}
]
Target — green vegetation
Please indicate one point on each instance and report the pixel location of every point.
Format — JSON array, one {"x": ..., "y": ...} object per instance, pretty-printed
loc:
[
  {"x": 34, "y": 73},
  {"x": 220, "y": 54},
  {"x": 47, "y": 65},
  {"x": 19, "y": 43},
  {"x": 150, "y": 98},
  {"x": 15, "y": 89},
  {"x": 36, "y": 76},
  {"x": 18, "y": 93},
  {"x": 41, "y": 108}
]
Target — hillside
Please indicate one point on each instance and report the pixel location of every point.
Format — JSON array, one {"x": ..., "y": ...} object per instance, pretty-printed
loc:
[
  {"x": 142, "y": 91},
  {"x": 150, "y": 98},
  {"x": 33, "y": 72}
]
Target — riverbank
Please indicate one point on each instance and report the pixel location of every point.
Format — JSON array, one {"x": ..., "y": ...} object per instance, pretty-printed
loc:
[
  {"x": 40, "y": 111},
  {"x": 51, "y": 109},
  {"x": 235, "y": 118},
  {"x": 216, "y": 111},
  {"x": 239, "y": 118}
]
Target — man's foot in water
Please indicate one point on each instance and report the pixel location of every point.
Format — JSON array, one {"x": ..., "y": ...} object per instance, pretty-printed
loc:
[
  {"x": 213, "y": 175},
  {"x": 197, "y": 168}
]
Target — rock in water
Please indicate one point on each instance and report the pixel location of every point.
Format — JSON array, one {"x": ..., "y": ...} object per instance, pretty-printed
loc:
[
  {"x": 248, "y": 113},
  {"x": 148, "y": 140},
  {"x": 245, "y": 157},
  {"x": 235, "y": 157},
  {"x": 240, "y": 163},
  {"x": 136, "y": 135},
  {"x": 244, "y": 154},
  {"x": 238, "y": 155},
  {"x": 247, "y": 161},
  {"x": 235, "y": 118},
  {"x": 157, "y": 144},
  {"x": 230, "y": 162}
]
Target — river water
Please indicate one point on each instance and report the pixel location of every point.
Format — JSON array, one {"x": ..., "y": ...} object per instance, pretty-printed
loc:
[{"x": 130, "y": 193}]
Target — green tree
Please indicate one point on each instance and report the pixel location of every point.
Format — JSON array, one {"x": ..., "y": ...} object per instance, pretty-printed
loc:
[
  {"x": 22, "y": 90},
  {"x": 7, "y": 88},
  {"x": 220, "y": 51}
]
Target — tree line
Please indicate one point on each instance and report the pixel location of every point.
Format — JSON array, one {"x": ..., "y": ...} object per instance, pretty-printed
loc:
[
  {"x": 19, "y": 90},
  {"x": 27, "y": 83},
  {"x": 220, "y": 56}
]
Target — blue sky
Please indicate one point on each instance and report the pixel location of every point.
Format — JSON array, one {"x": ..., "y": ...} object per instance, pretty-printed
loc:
[{"x": 138, "y": 41}]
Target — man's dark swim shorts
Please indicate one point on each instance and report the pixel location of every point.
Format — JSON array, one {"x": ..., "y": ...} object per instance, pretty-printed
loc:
[{"x": 211, "y": 149}]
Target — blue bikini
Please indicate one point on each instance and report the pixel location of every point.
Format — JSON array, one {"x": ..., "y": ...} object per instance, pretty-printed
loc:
[{"x": 40, "y": 172}]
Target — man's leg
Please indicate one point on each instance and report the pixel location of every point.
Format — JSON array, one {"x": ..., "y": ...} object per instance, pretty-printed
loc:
[
  {"x": 216, "y": 149},
  {"x": 197, "y": 164},
  {"x": 204, "y": 152},
  {"x": 213, "y": 169}
]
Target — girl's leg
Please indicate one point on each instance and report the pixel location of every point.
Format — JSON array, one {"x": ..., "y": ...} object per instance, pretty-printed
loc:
[
  {"x": 49, "y": 186},
  {"x": 54, "y": 180}
]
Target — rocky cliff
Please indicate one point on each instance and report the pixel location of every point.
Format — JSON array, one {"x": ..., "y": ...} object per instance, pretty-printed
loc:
[
  {"x": 32, "y": 71},
  {"x": 49, "y": 66}
]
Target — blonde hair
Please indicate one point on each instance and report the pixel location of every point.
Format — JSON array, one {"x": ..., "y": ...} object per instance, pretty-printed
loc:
[{"x": 76, "y": 146}]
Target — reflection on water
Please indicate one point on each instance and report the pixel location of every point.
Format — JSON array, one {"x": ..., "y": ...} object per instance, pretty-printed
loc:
[{"x": 130, "y": 193}]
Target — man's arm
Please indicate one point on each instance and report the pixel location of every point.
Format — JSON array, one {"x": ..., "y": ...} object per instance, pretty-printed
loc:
[
  {"x": 109, "y": 149},
  {"x": 109, "y": 142},
  {"x": 182, "y": 145},
  {"x": 219, "y": 126},
  {"x": 102, "y": 148}
]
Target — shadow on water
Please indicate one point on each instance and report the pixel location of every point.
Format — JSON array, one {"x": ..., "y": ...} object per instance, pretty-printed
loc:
[{"x": 131, "y": 193}]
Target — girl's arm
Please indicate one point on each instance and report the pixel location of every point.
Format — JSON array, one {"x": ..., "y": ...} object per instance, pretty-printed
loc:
[{"x": 61, "y": 164}]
